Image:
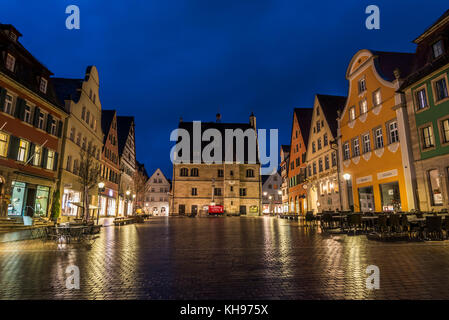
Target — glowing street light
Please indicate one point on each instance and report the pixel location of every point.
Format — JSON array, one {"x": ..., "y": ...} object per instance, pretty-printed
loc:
[{"x": 347, "y": 176}]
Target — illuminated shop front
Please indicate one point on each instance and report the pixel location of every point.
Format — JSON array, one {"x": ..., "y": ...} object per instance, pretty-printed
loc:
[
  {"x": 68, "y": 208},
  {"x": 28, "y": 199}
]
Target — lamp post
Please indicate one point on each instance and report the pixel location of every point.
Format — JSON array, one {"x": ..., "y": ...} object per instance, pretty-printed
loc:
[{"x": 100, "y": 190}]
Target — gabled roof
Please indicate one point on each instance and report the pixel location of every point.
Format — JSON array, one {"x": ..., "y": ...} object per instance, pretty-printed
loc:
[
  {"x": 304, "y": 116},
  {"x": 330, "y": 106},
  {"x": 265, "y": 178},
  {"x": 387, "y": 62},
  {"x": 106, "y": 120},
  {"x": 124, "y": 124},
  {"x": 285, "y": 148},
  {"x": 68, "y": 89},
  {"x": 141, "y": 168},
  {"x": 424, "y": 34},
  {"x": 221, "y": 127}
]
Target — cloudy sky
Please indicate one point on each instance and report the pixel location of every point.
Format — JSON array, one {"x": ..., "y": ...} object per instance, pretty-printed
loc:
[{"x": 166, "y": 59}]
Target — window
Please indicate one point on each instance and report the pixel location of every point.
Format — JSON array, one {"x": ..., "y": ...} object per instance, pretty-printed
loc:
[
  {"x": 317, "y": 111},
  {"x": 43, "y": 85},
  {"x": 421, "y": 99},
  {"x": 88, "y": 117},
  {"x": 318, "y": 126},
  {"x": 23, "y": 150},
  {"x": 250, "y": 173},
  {"x": 13, "y": 36},
  {"x": 427, "y": 136},
  {"x": 326, "y": 163},
  {"x": 363, "y": 106},
  {"x": 435, "y": 188},
  {"x": 346, "y": 154},
  {"x": 437, "y": 49},
  {"x": 352, "y": 114},
  {"x": 292, "y": 165},
  {"x": 325, "y": 140},
  {"x": 83, "y": 113},
  {"x": 75, "y": 167},
  {"x": 377, "y": 98},
  {"x": 334, "y": 159},
  {"x": 393, "y": 132},
  {"x": 72, "y": 134},
  {"x": 220, "y": 173},
  {"x": 319, "y": 144},
  {"x": 37, "y": 156},
  {"x": 298, "y": 162},
  {"x": 355, "y": 147},
  {"x": 366, "y": 143},
  {"x": 320, "y": 165},
  {"x": 313, "y": 147},
  {"x": 441, "y": 89},
  {"x": 53, "y": 127},
  {"x": 68, "y": 166},
  {"x": 243, "y": 192},
  {"x": 10, "y": 62},
  {"x": 194, "y": 172},
  {"x": 309, "y": 169},
  {"x": 314, "y": 168},
  {"x": 40, "y": 122},
  {"x": 362, "y": 85},
  {"x": 217, "y": 191},
  {"x": 78, "y": 139},
  {"x": 184, "y": 172},
  {"x": 27, "y": 114},
  {"x": 379, "y": 138},
  {"x": 4, "y": 138},
  {"x": 84, "y": 143},
  {"x": 445, "y": 130},
  {"x": 194, "y": 192},
  {"x": 8, "y": 104}
]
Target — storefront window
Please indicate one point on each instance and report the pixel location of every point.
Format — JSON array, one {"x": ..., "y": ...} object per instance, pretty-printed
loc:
[
  {"x": 435, "y": 187},
  {"x": 68, "y": 199},
  {"x": 366, "y": 199},
  {"x": 111, "y": 207},
  {"x": 391, "y": 199},
  {"x": 18, "y": 194},
  {"x": 4, "y": 144},
  {"x": 102, "y": 205},
  {"x": 41, "y": 201}
]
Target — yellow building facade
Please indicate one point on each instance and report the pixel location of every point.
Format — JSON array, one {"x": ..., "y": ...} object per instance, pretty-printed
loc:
[{"x": 376, "y": 162}]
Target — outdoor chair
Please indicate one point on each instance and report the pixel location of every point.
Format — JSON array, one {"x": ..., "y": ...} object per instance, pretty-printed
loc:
[
  {"x": 381, "y": 226},
  {"x": 50, "y": 234},
  {"x": 326, "y": 221},
  {"x": 433, "y": 229},
  {"x": 445, "y": 226},
  {"x": 354, "y": 222},
  {"x": 309, "y": 218}
]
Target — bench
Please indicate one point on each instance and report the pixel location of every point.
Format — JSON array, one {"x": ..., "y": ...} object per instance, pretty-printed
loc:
[{"x": 120, "y": 221}]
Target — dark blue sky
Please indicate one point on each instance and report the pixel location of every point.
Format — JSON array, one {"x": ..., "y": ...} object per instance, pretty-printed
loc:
[{"x": 159, "y": 60}]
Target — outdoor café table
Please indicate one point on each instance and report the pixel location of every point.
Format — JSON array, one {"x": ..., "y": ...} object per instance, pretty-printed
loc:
[{"x": 67, "y": 232}]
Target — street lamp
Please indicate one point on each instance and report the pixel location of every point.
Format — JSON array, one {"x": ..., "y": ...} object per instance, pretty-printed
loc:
[{"x": 100, "y": 190}]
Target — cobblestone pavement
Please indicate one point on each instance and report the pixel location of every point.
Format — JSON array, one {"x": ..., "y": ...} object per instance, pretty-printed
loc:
[{"x": 224, "y": 258}]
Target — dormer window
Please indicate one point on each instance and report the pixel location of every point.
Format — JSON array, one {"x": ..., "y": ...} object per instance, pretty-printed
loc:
[
  {"x": 43, "y": 85},
  {"x": 13, "y": 36},
  {"x": 10, "y": 62},
  {"x": 438, "y": 49}
]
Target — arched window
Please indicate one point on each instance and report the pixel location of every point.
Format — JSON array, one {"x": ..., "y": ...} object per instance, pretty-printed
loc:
[
  {"x": 194, "y": 172},
  {"x": 184, "y": 172},
  {"x": 250, "y": 173}
]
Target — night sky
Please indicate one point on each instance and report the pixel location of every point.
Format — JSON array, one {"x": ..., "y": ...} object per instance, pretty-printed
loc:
[{"x": 160, "y": 60}]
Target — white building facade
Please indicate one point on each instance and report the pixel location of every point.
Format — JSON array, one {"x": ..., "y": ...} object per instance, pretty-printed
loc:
[{"x": 157, "y": 194}]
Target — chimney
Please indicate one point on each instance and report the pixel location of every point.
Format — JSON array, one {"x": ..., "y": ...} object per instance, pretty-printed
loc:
[{"x": 218, "y": 118}]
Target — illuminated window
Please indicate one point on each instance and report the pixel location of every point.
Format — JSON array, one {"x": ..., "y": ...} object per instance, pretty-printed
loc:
[
  {"x": 355, "y": 147},
  {"x": 346, "y": 154},
  {"x": 421, "y": 99},
  {"x": 363, "y": 106},
  {"x": 50, "y": 159},
  {"x": 427, "y": 137},
  {"x": 23, "y": 150},
  {"x": 37, "y": 156},
  {"x": 4, "y": 138},
  {"x": 27, "y": 114},
  {"x": 445, "y": 130},
  {"x": 362, "y": 85},
  {"x": 377, "y": 98},
  {"x": 352, "y": 114}
]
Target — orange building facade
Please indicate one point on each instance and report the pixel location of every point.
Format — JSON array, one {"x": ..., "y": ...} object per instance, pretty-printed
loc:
[
  {"x": 375, "y": 155},
  {"x": 297, "y": 195}
]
